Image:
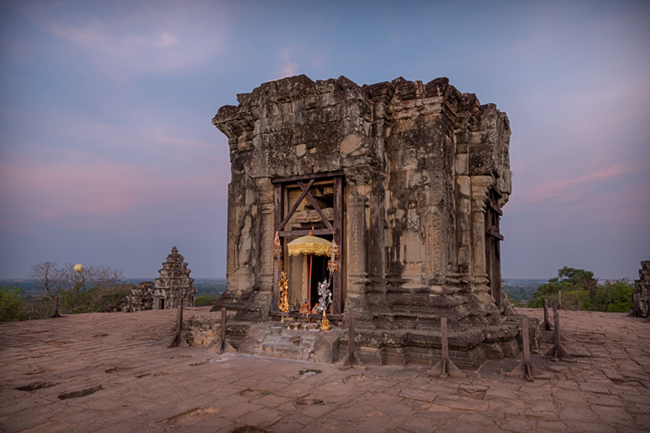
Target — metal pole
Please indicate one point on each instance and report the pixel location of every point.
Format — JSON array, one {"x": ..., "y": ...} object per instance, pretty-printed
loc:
[
  {"x": 351, "y": 360},
  {"x": 311, "y": 259}
]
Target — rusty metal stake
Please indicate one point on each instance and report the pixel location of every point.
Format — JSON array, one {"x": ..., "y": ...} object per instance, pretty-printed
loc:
[
  {"x": 351, "y": 360},
  {"x": 445, "y": 367},
  {"x": 527, "y": 368},
  {"x": 223, "y": 345},
  {"x": 557, "y": 352},
  {"x": 178, "y": 340},
  {"x": 546, "y": 325}
]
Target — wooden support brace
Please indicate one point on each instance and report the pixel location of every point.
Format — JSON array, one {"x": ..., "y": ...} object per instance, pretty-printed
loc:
[
  {"x": 130, "y": 302},
  {"x": 222, "y": 345},
  {"x": 559, "y": 299},
  {"x": 317, "y": 208},
  {"x": 351, "y": 360},
  {"x": 546, "y": 324},
  {"x": 288, "y": 216},
  {"x": 178, "y": 340},
  {"x": 557, "y": 352},
  {"x": 527, "y": 369},
  {"x": 445, "y": 367}
]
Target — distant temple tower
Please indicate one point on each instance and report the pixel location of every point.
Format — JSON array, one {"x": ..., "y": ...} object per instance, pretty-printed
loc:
[{"x": 174, "y": 276}]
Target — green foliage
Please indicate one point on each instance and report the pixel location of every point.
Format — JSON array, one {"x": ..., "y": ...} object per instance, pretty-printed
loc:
[
  {"x": 515, "y": 302},
  {"x": 203, "y": 300},
  {"x": 615, "y": 296},
  {"x": 12, "y": 305},
  {"x": 581, "y": 291}
]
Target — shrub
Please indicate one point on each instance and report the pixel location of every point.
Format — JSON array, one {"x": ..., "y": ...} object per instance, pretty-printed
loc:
[{"x": 12, "y": 305}]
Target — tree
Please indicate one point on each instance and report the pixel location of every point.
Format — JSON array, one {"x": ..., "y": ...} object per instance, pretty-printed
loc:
[
  {"x": 52, "y": 281},
  {"x": 614, "y": 296},
  {"x": 578, "y": 279},
  {"x": 581, "y": 291},
  {"x": 104, "y": 281},
  {"x": 84, "y": 291}
]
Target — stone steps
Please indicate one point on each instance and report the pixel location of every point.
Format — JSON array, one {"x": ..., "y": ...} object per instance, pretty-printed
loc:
[{"x": 278, "y": 341}]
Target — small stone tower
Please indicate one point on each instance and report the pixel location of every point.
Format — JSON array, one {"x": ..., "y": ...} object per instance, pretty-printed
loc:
[
  {"x": 643, "y": 289},
  {"x": 173, "y": 276}
]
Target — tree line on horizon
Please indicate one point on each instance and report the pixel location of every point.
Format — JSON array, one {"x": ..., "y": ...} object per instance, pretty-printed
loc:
[
  {"x": 101, "y": 289},
  {"x": 64, "y": 290}
]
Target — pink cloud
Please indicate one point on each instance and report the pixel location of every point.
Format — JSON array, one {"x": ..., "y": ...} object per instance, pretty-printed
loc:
[
  {"x": 289, "y": 67},
  {"x": 48, "y": 190},
  {"x": 560, "y": 188}
]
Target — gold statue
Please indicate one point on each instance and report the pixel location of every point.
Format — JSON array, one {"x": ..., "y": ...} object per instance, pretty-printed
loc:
[
  {"x": 324, "y": 324},
  {"x": 284, "y": 294}
]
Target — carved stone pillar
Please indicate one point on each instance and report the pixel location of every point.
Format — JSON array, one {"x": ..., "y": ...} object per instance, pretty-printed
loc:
[
  {"x": 480, "y": 188},
  {"x": 265, "y": 281},
  {"x": 231, "y": 235},
  {"x": 356, "y": 246}
]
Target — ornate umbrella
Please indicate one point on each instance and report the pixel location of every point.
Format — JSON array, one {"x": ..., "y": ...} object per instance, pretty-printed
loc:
[{"x": 309, "y": 245}]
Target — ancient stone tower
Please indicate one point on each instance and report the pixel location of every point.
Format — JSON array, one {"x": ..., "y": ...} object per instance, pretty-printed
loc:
[
  {"x": 174, "y": 276},
  {"x": 408, "y": 178}
]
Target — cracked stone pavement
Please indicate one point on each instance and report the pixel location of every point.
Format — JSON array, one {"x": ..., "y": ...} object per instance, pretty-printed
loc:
[{"x": 136, "y": 384}]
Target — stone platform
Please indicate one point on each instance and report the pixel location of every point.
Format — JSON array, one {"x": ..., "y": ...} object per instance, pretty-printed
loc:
[
  {"x": 468, "y": 348},
  {"x": 134, "y": 383}
]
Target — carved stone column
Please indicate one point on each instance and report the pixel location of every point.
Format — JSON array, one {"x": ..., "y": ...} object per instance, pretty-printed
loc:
[
  {"x": 357, "y": 253},
  {"x": 265, "y": 281},
  {"x": 231, "y": 235},
  {"x": 480, "y": 188}
]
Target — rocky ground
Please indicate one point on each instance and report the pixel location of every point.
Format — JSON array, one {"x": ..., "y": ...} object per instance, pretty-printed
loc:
[{"x": 114, "y": 373}]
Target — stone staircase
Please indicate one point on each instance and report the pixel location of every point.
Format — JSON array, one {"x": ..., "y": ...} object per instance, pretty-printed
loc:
[{"x": 277, "y": 340}]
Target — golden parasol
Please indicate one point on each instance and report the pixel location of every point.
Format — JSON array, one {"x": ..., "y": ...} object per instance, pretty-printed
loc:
[{"x": 309, "y": 246}]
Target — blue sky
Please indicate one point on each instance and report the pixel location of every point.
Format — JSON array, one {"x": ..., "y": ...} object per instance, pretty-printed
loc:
[{"x": 108, "y": 155}]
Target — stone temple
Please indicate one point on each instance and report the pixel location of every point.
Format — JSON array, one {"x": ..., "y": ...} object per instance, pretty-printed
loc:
[
  {"x": 408, "y": 178},
  {"x": 163, "y": 294}
]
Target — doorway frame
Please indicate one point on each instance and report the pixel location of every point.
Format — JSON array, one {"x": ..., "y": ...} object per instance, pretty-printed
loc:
[{"x": 334, "y": 228}]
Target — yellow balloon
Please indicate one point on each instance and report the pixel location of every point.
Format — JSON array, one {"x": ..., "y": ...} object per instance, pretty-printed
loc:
[{"x": 78, "y": 267}]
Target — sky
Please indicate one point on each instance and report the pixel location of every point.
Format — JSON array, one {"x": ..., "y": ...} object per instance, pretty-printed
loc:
[{"x": 108, "y": 155}]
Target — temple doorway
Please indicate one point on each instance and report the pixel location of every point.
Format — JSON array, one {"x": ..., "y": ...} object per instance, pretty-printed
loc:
[{"x": 308, "y": 205}]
